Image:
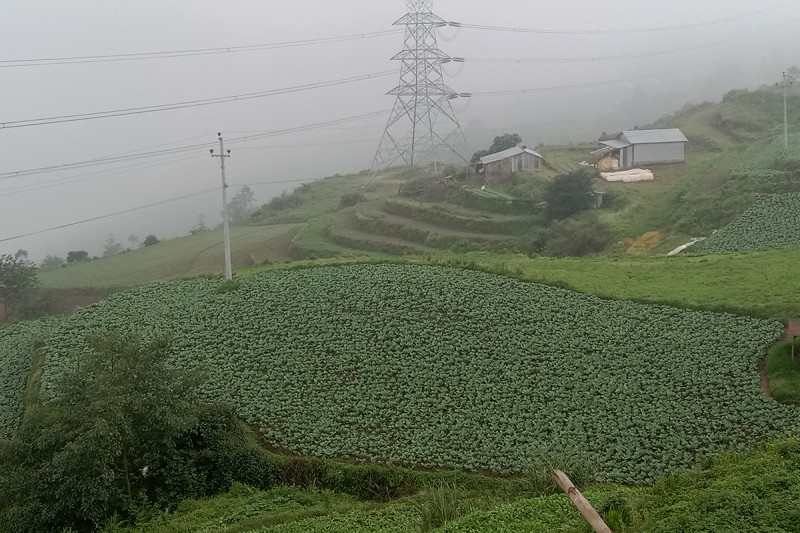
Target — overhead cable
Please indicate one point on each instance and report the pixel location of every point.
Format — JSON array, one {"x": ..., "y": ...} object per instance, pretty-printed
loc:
[
  {"x": 101, "y": 217},
  {"x": 134, "y": 209},
  {"x": 584, "y": 85},
  {"x": 182, "y": 105},
  {"x": 128, "y": 156},
  {"x": 70, "y": 60},
  {"x": 620, "y": 31}
]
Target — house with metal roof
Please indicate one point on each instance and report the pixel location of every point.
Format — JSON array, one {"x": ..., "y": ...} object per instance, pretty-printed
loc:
[
  {"x": 512, "y": 160},
  {"x": 630, "y": 149}
]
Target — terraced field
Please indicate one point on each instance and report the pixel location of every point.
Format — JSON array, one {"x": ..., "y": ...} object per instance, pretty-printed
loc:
[{"x": 441, "y": 367}]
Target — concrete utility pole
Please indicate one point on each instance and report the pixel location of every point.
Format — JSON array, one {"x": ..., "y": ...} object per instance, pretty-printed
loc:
[
  {"x": 223, "y": 155},
  {"x": 785, "y": 84}
]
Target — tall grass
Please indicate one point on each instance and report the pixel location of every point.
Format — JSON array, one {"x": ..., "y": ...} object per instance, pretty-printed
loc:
[{"x": 437, "y": 505}]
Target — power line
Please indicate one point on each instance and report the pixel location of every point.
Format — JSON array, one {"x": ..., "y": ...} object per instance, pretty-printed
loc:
[
  {"x": 182, "y": 105},
  {"x": 590, "y": 59},
  {"x": 585, "y": 85},
  {"x": 155, "y": 204},
  {"x": 69, "y": 180},
  {"x": 71, "y": 60},
  {"x": 618, "y": 31},
  {"x": 142, "y": 155},
  {"x": 101, "y": 217}
]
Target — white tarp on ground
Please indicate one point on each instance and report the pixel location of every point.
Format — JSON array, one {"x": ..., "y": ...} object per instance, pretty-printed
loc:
[
  {"x": 679, "y": 249},
  {"x": 629, "y": 176}
]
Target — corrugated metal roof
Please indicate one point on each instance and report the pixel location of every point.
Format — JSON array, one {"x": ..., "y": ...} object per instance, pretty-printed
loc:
[
  {"x": 615, "y": 144},
  {"x": 505, "y": 154},
  {"x": 654, "y": 136}
]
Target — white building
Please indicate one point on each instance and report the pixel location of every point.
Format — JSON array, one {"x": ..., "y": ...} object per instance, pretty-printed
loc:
[{"x": 643, "y": 147}]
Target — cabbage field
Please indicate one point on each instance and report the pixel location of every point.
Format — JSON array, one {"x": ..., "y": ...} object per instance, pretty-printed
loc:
[
  {"x": 16, "y": 355},
  {"x": 772, "y": 222},
  {"x": 443, "y": 367}
]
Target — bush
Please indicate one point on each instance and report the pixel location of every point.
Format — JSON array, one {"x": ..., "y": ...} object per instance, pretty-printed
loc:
[
  {"x": 576, "y": 238},
  {"x": 150, "y": 240},
  {"x": 351, "y": 199},
  {"x": 568, "y": 194},
  {"x": 230, "y": 285}
]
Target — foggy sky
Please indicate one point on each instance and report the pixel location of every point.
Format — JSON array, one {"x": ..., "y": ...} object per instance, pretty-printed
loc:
[{"x": 742, "y": 53}]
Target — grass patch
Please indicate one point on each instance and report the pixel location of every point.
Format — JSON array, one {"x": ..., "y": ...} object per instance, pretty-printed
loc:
[{"x": 784, "y": 373}]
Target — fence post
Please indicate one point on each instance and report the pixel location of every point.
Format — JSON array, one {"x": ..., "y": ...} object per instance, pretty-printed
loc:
[{"x": 583, "y": 505}]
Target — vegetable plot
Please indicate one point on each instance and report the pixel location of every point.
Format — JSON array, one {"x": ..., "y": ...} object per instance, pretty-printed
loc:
[
  {"x": 441, "y": 367},
  {"x": 16, "y": 356},
  {"x": 772, "y": 222}
]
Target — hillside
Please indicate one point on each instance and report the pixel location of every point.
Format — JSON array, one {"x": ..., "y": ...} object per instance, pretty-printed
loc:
[
  {"x": 396, "y": 347},
  {"x": 731, "y": 160},
  {"x": 434, "y": 366}
]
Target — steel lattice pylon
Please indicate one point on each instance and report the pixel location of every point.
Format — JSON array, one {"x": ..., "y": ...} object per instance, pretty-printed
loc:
[{"x": 422, "y": 131}]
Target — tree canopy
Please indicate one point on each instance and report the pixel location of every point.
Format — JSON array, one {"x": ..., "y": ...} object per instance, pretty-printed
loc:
[
  {"x": 241, "y": 206},
  {"x": 568, "y": 194},
  {"x": 17, "y": 277},
  {"x": 500, "y": 143},
  {"x": 77, "y": 256},
  {"x": 124, "y": 433}
]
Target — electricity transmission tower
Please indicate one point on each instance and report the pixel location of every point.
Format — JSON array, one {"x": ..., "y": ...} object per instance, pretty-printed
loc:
[{"x": 422, "y": 131}]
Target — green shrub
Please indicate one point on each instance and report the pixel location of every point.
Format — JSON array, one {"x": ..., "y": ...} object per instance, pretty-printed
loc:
[
  {"x": 351, "y": 199},
  {"x": 227, "y": 286},
  {"x": 576, "y": 238},
  {"x": 437, "y": 505}
]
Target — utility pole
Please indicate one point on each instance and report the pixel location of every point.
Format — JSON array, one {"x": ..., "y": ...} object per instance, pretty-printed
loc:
[
  {"x": 785, "y": 84},
  {"x": 223, "y": 155}
]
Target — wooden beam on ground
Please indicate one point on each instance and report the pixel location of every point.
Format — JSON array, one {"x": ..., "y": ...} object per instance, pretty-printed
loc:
[{"x": 583, "y": 505}]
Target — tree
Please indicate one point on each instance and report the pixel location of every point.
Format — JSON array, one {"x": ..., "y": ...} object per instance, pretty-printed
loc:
[
  {"x": 502, "y": 142},
  {"x": 133, "y": 240},
  {"x": 111, "y": 247},
  {"x": 21, "y": 254},
  {"x": 124, "y": 432},
  {"x": 51, "y": 261},
  {"x": 17, "y": 277},
  {"x": 150, "y": 240},
  {"x": 241, "y": 206},
  {"x": 793, "y": 74},
  {"x": 107, "y": 441},
  {"x": 77, "y": 256},
  {"x": 200, "y": 227},
  {"x": 568, "y": 194}
]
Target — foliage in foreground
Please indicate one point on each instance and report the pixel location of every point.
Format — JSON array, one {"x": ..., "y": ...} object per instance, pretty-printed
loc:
[
  {"x": 126, "y": 432},
  {"x": 773, "y": 222},
  {"x": 751, "y": 493},
  {"x": 17, "y": 344},
  {"x": 784, "y": 373},
  {"x": 755, "y": 492},
  {"x": 450, "y": 368}
]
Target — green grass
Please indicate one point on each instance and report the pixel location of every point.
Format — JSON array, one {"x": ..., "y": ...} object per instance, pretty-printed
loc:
[
  {"x": 752, "y": 492},
  {"x": 174, "y": 259},
  {"x": 784, "y": 373}
]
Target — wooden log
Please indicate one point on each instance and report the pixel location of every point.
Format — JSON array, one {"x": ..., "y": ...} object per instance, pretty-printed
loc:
[{"x": 583, "y": 505}]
